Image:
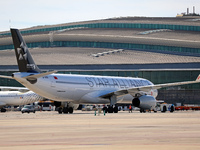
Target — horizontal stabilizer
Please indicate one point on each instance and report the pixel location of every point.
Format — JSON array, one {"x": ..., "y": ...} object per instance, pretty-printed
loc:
[
  {"x": 35, "y": 76},
  {"x": 9, "y": 77},
  {"x": 198, "y": 79}
]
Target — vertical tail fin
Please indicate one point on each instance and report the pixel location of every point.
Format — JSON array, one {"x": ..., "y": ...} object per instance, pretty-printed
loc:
[{"x": 24, "y": 58}]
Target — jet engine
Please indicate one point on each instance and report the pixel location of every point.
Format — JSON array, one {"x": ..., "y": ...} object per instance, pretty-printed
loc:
[{"x": 144, "y": 102}]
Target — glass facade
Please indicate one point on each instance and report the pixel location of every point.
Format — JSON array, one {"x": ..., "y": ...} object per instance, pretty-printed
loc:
[
  {"x": 107, "y": 45},
  {"x": 111, "y": 45},
  {"x": 116, "y": 25}
]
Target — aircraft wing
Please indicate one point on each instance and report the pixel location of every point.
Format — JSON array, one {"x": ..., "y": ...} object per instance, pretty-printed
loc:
[
  {"x": 135, "y": 90},
  {"x": 131, "y": 91},
  {"x": 7, "y": 88}
]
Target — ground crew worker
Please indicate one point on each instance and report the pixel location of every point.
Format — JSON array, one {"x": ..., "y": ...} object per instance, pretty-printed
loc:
[{"x": 130, "y": 108}]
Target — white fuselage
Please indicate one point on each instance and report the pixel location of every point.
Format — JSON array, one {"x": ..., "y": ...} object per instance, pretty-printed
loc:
[
  {"x": 18, "y": 98},
  {"x": 83, "y": 89}
]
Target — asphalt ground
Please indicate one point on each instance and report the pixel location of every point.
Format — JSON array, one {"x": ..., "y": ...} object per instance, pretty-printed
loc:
[{"x": 84, "y": 130}]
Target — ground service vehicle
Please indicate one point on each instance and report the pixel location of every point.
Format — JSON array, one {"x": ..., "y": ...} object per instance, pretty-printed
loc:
[{"x": 28, "y": 109}]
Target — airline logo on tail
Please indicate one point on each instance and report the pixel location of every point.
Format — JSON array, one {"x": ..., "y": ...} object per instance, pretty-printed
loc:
[
  {"x": 22, "y": 52},
  {"x": 24, "y": 58}
]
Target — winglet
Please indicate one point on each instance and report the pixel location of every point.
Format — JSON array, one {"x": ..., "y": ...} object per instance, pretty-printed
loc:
[{"x": 198, "y": 78}]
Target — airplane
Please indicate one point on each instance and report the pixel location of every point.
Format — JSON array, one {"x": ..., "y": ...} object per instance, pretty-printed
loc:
[
  {"x": 15, "y": 98},
  {"x": 83, "y": 89}
]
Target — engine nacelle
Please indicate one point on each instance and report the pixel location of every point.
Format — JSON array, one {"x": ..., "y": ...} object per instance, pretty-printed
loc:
[{"x": 144, "y": 102}]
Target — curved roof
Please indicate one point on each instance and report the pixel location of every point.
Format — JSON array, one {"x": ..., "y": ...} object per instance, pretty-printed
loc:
[
  {"x": 81, "y": 56},
  {"x": 166, "y": 38},
  {"x": 188, "y": 21}
]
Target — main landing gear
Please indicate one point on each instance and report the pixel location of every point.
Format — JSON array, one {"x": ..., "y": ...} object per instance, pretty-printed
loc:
[
  {"x": 110, "y": 109},
  {"x": 113, "y": 101},
  {"x": 65, "y": 107},
  {"x": 65, "y": 110},
  {"x": 142, "y": 110}
]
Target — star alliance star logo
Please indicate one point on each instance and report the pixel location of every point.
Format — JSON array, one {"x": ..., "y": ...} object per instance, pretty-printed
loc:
[{"x": 22, "y": 52}]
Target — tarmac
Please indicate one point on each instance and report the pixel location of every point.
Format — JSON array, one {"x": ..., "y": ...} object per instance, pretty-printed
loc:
[{"x": 85, "y": 131}]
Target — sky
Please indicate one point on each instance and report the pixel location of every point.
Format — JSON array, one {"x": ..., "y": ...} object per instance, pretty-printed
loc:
[{"x": 28, "y": 13}]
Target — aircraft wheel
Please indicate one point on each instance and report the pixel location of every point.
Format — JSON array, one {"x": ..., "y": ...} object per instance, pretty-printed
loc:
[
  {"x": 71, "y": 110},
  {"x": 142, "y": 111},
  {"x": 60, "y": 110},
  {"x": 172, "y": 109},
  {"x": 115, "y": 109},
  {"x": 164, "y": 109},
  {"x": 65, "y": 110},
  {"x": 110, "y": 109}
]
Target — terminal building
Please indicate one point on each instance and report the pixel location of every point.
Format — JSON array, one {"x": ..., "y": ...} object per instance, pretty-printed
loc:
[{"x": 162, "y": 50}]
